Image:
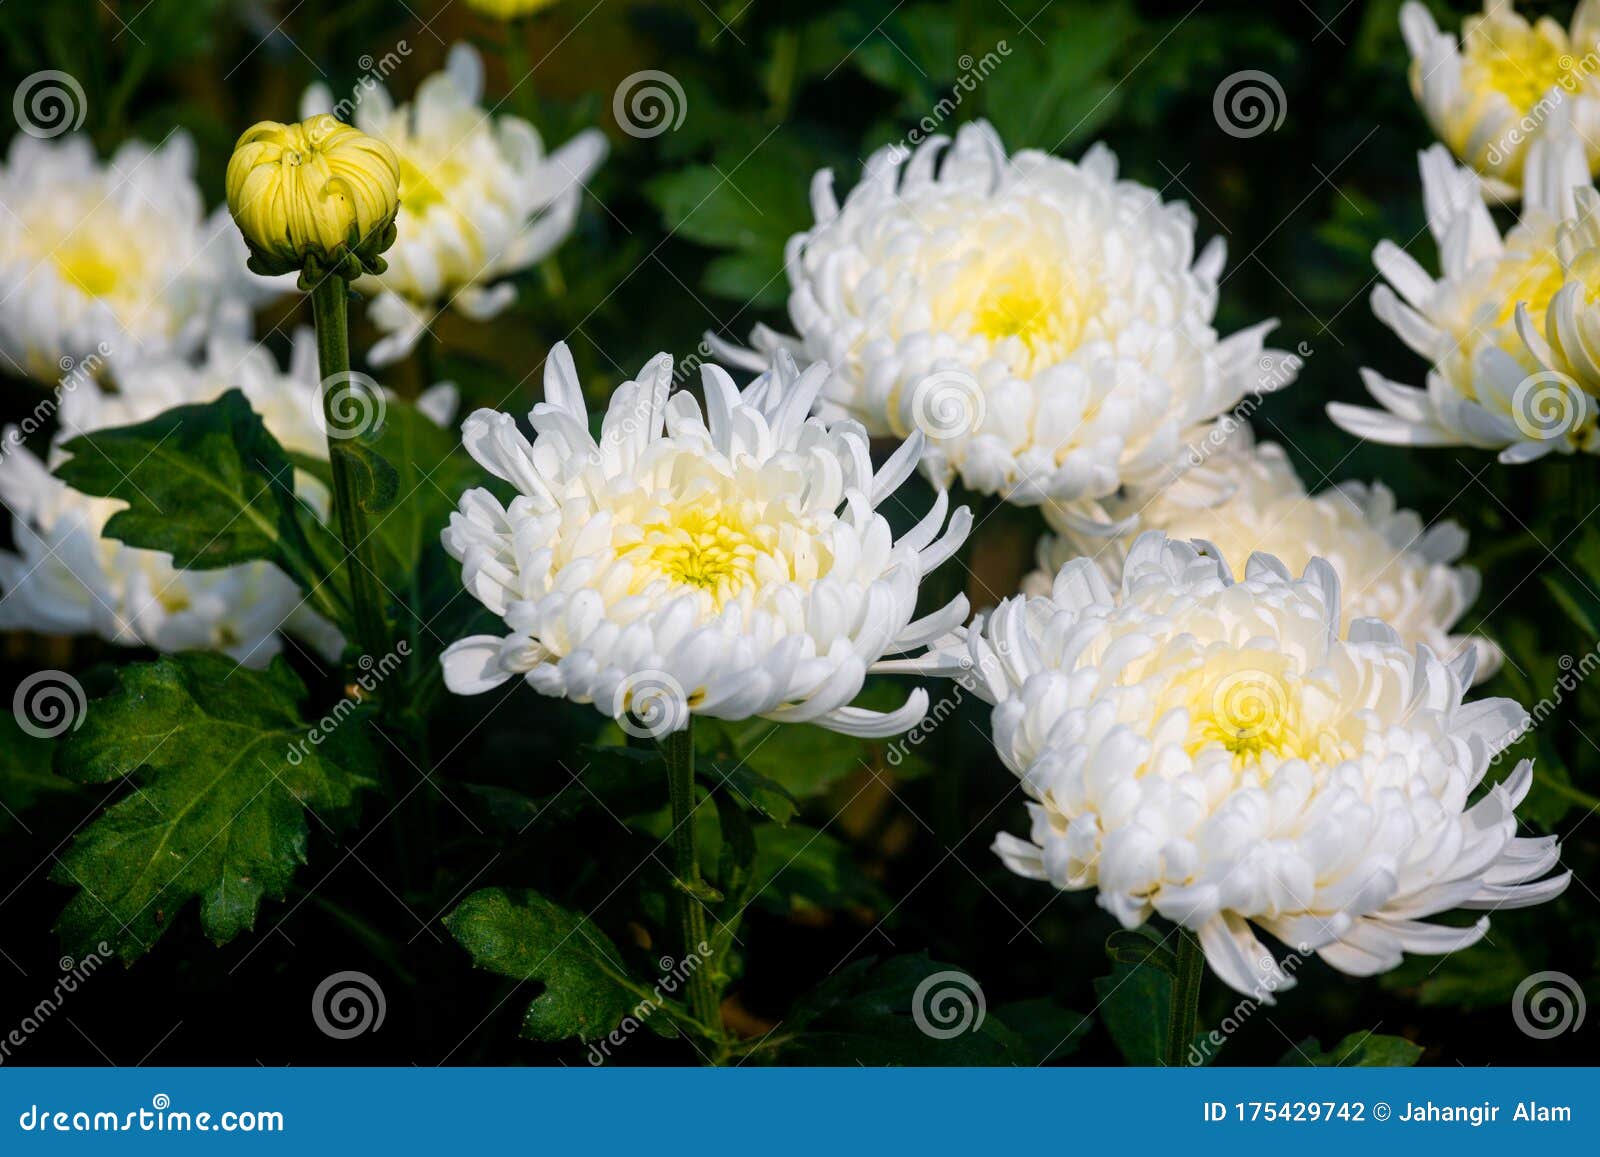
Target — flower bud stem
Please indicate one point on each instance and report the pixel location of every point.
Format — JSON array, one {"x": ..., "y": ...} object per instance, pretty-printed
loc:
[
  {"x": 329, "y": 298},
  {"x": 678, "y": 749},
  {"x": 1184, "y": 1017}
]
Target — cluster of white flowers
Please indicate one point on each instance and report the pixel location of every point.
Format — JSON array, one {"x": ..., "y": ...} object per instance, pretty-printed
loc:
[
  {"x": 116, "y": 260},
  {"x": 1229, "y": 754},
  {"x": 479, "y": 199}
]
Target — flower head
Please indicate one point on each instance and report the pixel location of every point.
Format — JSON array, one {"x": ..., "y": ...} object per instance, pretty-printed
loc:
[
  {"x": 317, "y": 191},
  {"x": 1046, "y": 325},
  {"x": 1247, "y": 498},
  {"x": 1486, "y": 387},
  {"x": 1218, "y": 752},
  {"x": 115, "y": 260},
  {"x": 479, "y": 199},
  {"x": 1507, "y": 84},
  {"x": 725, "y": 561}
]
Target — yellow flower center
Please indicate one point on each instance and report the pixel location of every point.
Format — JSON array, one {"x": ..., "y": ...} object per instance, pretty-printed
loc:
[
  {"x": 1034, "y": 300},
  {"x": 711, "y": 550},
  {"x": 1251, "y": 713},
  {"x": 89, "y": 265},
  {"x": 1519, "y": 61},
  {"x": 421, "y": 187}
]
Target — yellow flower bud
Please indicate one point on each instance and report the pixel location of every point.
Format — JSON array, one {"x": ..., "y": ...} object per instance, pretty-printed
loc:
[
  {"x": 511, "y": 9},
  {"x": 316, "y": 193}
]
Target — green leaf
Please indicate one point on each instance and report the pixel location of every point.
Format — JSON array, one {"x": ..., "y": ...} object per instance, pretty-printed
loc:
[
  {"x": 1577, "y": 598},
  {"x": 745, "y": 202},
  {"x": 430, "y": 475},
  {"x": 1135, "y": 1003},
  {"x": 873, "y": 1013},
  {"x": 208, "y": 485},
  {"x": 799, "y": 867},
  {"x": 1359, "y": 1049},
  {"x": 749, "y": 788},
  {"x": 223, "y": 770},
  {"x": 522, "y": 935},
  {"x": 26, "y": 773},
  {"x": 1052, "y": 1032},
  {"x": 1059, "y": 94}
]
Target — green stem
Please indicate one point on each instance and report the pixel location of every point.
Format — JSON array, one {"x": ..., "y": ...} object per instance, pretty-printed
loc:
[
  {"x": 1184, "y": 1018},
  {"x": 678, "y": 748},
  {"x": 329, "y": 306}
]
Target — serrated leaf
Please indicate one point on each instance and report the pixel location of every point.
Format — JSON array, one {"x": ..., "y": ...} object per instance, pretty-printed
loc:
[
  {"x": 223, "y": 770},
  {"x": 208, "y": 485},
  {"x": 523, "y": 935},
  {"x": 1358, "y": 1050}
]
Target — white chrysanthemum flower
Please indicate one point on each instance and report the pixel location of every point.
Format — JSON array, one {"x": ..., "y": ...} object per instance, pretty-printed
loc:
[
  {"x": 112, "y": 261},
  {"x": 1047, "y": 326},
  {"x": 1507, "y": 84},
  {"x": 726, "y": 563},
  {"x": 479, "y": 199},
  {"x": 67, "y": 579},
  {"x": 1217, "y": 752},
  {"x": 1247, "y": 499},
  {"x": 1485, "y": 388}
]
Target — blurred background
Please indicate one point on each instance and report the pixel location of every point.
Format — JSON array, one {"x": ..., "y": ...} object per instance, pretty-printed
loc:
[{"x": 682, "y": 232}]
